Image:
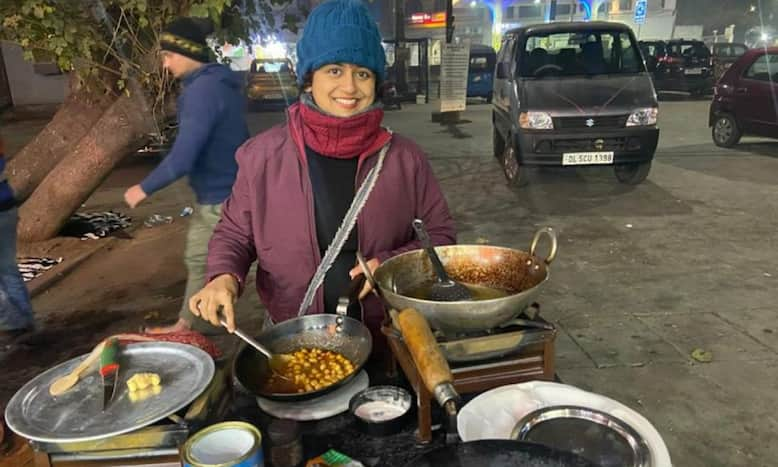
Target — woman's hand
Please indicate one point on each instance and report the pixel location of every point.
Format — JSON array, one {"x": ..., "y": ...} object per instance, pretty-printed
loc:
[
  {"x": 372, "y": 265},
  {"x": 218, "y": 295}
]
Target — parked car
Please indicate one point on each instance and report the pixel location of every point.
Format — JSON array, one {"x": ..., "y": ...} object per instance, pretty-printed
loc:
[
  {"x": 679, "y": 65},
  {"x": 653, "y": 53},
  {"x": 271, "y": 81},
  {"x": 571, "y": 94},
  {"x": 480, "y": 73},
  {"x": 745, "y": 100},
  {"x": 159, "y": 142},
  {"x": 724, "y": 55}
]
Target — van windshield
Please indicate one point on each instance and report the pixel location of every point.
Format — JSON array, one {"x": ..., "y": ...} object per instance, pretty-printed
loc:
[
  {"x": 481, "y": 63},
  {"x": 688, "y": 49},
  {"x": 580, "y": 53},
  {"x": 266, "y": 66}
]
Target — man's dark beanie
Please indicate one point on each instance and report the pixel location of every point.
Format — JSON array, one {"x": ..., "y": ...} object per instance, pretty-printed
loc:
[{"x": 186, "y": 36}]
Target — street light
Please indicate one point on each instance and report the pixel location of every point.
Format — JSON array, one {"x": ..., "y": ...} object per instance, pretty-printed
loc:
[{"x": 473, "y": 4}]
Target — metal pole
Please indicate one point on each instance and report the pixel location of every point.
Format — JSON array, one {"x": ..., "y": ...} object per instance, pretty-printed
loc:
[
  {"x": 399, "y": 20},
  {"x": 449, "y": 21},
  {"x": 399, "y": 38},
  {"x": 552, "y": 10},
  {"x": 427, "y": 70}
]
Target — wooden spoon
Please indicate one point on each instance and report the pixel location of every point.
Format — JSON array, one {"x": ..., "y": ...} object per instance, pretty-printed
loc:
[{"x": 66, "y": 382}]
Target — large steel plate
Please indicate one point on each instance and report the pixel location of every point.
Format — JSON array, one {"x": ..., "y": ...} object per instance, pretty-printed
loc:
[{"x": 77, "y": 415}]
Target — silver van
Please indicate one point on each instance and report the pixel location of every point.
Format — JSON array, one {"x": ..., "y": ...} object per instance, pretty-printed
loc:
[{"x": 572, "y": 94}]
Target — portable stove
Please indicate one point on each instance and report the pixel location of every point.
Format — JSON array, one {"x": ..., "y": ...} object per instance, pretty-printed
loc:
[{"x": 522, "y": 350}]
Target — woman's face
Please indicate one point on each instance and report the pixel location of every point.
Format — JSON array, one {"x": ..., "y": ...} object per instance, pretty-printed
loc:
[{"x": 343, "y": 89}]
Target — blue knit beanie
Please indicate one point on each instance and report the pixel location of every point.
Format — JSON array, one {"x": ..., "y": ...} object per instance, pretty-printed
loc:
[{"x": 340, "y": 31}]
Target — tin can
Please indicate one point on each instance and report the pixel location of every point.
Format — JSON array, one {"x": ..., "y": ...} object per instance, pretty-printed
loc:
[{"x": 227, "y": 444}]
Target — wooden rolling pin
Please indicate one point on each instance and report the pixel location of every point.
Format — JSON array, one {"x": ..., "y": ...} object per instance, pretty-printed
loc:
[{"x": 429, "y": 360}]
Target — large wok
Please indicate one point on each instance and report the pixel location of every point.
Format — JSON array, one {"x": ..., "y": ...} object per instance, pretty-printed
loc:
[
  {"x": 327, "y": 331},
  {"x": 498, "y": 453},
  {"x": 522, "y": 274}
]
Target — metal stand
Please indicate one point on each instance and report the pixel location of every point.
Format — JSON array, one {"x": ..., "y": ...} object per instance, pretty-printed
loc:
[{"x": 533, "y": 362}]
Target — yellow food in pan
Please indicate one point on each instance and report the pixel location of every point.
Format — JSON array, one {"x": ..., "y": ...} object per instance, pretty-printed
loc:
[{"x": 310, "y": 369}]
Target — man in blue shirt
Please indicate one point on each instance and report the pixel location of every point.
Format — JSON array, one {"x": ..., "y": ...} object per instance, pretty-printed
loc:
[
  {"x": 15, "y": 308},
  {"x": 212, "y": 125}
]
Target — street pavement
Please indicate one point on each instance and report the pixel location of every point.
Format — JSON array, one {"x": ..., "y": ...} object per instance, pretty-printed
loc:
[{"x": 644, "y": 276}]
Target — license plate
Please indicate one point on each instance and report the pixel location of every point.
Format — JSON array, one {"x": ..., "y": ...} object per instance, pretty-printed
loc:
[
  {"x": 587, "y": 158},
  {"x": 274, "y": 96},
  {"x": 693, "y": 71}
]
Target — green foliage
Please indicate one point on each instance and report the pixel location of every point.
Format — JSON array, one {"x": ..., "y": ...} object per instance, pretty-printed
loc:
[{"x": 114, "y": 41}]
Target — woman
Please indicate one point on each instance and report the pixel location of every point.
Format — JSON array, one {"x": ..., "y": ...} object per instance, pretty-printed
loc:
[{"x": 297, "y": 181}]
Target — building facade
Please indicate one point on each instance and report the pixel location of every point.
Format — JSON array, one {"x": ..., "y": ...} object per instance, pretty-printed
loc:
[
  {"x": 659, "y": 22},
  {"x": 484, "y": 21}
]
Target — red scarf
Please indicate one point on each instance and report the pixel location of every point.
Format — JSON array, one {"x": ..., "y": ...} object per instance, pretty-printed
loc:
[{"x": 342, "y": 138}]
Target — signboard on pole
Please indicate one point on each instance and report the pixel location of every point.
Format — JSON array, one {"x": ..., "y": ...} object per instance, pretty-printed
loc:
[
  {"x": 640, "y": 12},
  {"x": 453, "y": 77}
]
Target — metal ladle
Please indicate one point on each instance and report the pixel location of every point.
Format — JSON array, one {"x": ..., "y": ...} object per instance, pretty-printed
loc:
[
  {"x": 444, "y": 289},
  {"x": 276, "y": 361}
]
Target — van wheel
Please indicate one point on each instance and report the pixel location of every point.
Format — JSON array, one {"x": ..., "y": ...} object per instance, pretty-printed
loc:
[
  {"x": 725, "y": 132},
  {"x": 489, "y": 98},
  {"x": 511, "y": 167},
  {"x": 498, "y": 144},
  {"x": 632, "y": 174}
]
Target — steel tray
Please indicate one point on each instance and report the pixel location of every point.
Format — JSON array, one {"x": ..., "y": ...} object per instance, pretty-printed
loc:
[{"x": 77, "y": 415}]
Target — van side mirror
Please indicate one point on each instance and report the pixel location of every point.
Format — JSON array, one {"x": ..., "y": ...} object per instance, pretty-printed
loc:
[{"x": 503, "y": 71}]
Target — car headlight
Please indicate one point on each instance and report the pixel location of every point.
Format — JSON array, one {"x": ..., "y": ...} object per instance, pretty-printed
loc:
[
  {"x": 476, "y": 79},
  {"x": 536, "y": 121},
  {"x": 643, "y": 117}
]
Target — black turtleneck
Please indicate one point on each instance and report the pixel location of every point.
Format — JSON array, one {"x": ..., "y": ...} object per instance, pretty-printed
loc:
[{"x": 333, "y": 182}]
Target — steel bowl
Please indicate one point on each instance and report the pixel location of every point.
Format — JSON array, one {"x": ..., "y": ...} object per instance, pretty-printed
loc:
[{"x": 520, "y": 273}]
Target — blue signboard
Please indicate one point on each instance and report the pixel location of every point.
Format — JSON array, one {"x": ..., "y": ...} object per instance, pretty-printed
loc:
[
  {"x": 587, "y": 9},
  {"x": 640, "y": 12}
]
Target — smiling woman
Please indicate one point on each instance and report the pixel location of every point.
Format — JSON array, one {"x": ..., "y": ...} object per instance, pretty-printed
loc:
[{"x": 329, "y": 183}]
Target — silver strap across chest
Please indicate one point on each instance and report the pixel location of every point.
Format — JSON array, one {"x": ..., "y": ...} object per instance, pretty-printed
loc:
[{"x": 346, "y": 226}]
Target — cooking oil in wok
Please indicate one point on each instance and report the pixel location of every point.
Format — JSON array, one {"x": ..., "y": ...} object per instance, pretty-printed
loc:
[{"x": 479, "y": 292}]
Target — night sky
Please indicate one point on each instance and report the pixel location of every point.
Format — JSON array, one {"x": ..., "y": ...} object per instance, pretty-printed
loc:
[{"x": 718, "y": 14}]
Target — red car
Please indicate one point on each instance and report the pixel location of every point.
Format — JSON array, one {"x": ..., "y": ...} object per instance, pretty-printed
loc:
[{"x": 745, "y": 100}]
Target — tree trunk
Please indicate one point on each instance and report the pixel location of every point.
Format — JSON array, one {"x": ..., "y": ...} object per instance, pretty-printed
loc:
[
  {"x": 75, "y": 117},
  {"x": 81, "y": 171}
]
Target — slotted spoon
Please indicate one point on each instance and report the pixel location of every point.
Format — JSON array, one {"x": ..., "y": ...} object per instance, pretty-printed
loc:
[{"x": 444, "y": 289}]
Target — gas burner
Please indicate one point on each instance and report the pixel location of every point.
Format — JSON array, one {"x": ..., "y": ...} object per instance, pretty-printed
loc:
[
  {"x": 529, "y": 318},
  {"x": 508, "y": 339}
]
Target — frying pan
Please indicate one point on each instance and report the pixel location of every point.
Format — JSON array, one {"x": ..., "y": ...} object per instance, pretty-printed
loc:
[{"x": 498, "y": 453}]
